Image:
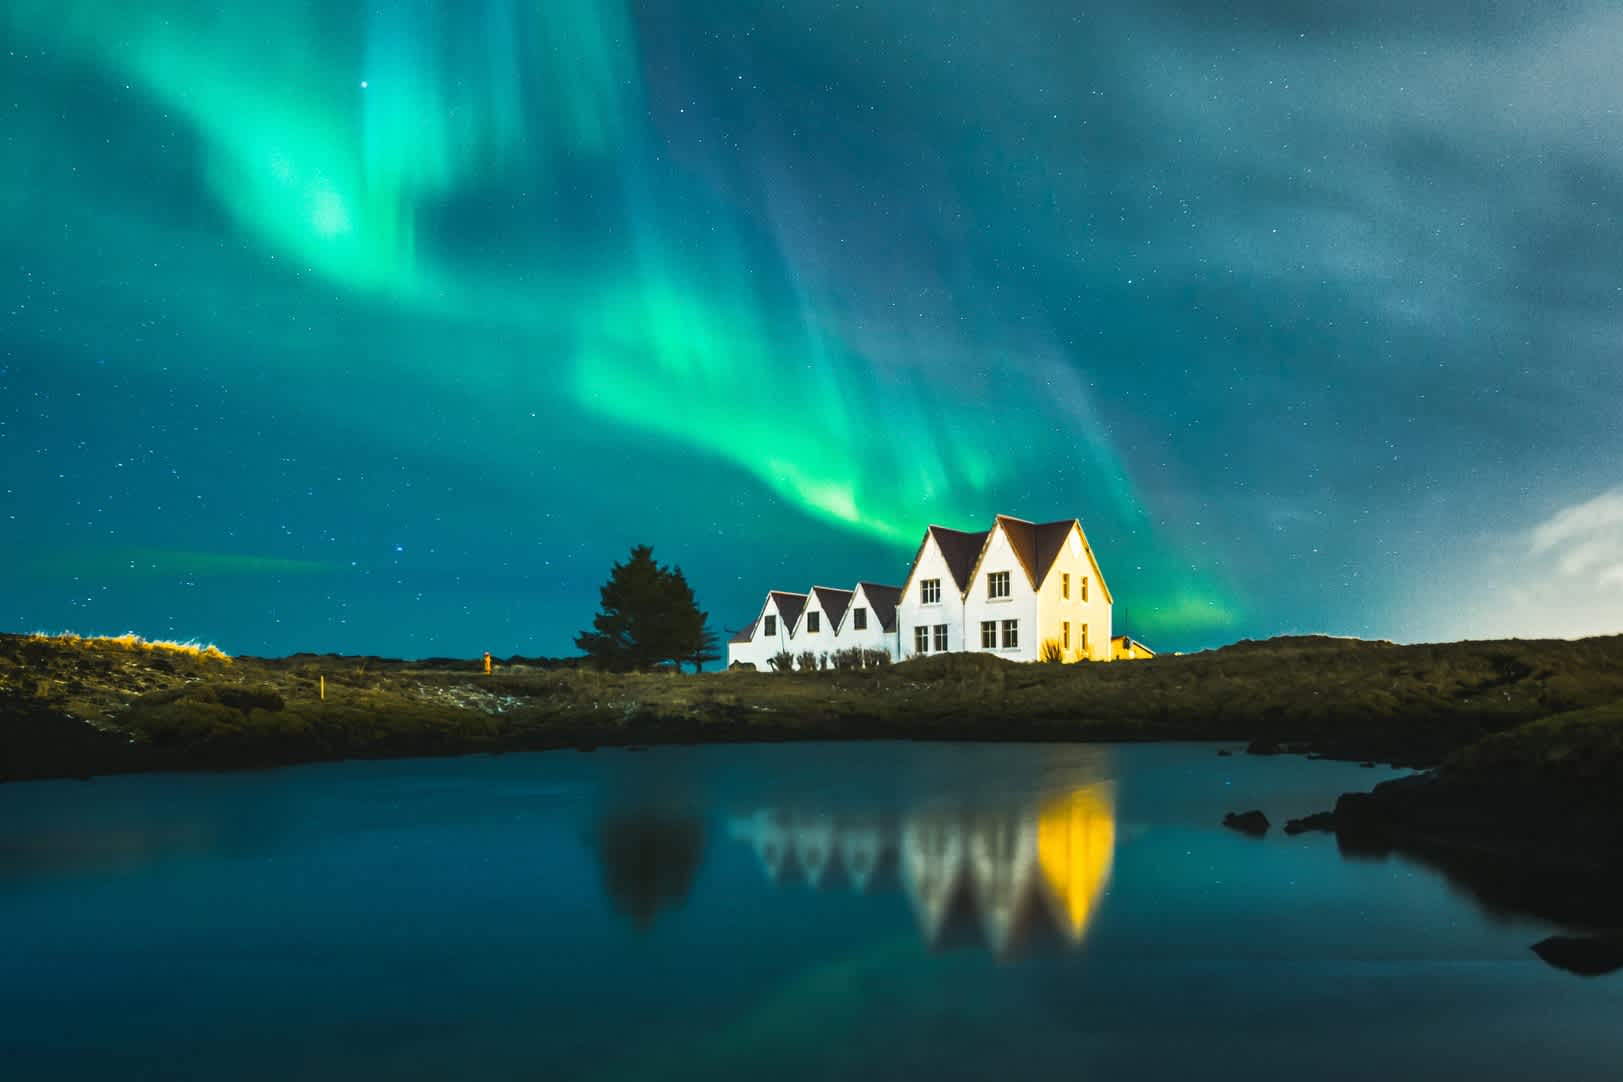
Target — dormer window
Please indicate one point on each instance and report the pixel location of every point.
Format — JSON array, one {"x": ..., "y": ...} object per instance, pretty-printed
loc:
[
  {"x": 997, "y": 584},
  {"x": 859, "y": 619},
  {"x": 930, "y": 592},
  {"x": 769, "y": 626},
  {"x": 814, "y": 622}
]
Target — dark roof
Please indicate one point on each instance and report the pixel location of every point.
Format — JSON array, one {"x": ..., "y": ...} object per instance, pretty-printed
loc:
[
  {"x": 1036, "y": 544},
  {"x": 789, "y": 605},
  {"x": 960, "y": 550},
  {"x": 747, "y": 635},
  {"x": 1050, "y": 541},
  {"x": 884, "y": 600},
  {"x": 833, "y": 601},
  {"x": 1022, "y": 537}
]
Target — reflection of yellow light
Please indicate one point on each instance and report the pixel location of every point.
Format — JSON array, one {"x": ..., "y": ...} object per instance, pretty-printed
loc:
[{"x": 1076, "y": 844}]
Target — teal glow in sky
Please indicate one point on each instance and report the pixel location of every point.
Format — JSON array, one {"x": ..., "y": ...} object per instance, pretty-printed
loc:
[{"x": 387, "y": 328}]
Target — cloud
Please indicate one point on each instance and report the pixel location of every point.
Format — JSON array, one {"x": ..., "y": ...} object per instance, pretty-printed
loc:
[{"x": 1585, "y": 542}]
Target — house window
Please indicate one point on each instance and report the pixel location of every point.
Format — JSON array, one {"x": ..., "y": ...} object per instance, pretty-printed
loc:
[
  {"x": 1065, "y": 634},
  {"x": 941, "y": 636},
  {"x": 1084, "y": 638},
  {"x": 988, "y": 634},
  {"x": 1065, "y": 587},
  {"x": 859, "y": 619},
  {"x": 930, "y": 592},
  {"x": 770, "y": 625},
  {"x": 921, "y": 640},
  {"x": 997, "y": 584},
  {"x": 814, "y": 622},
  {"x": 1084, "y": 587},
  {"x": 1011, "y": 634}
]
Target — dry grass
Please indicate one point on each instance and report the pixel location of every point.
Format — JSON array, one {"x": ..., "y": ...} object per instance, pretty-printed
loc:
[{"x": 131, "y": 641}]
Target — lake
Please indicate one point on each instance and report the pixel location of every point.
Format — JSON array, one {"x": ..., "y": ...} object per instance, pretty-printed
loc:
[{"x": 886, "y": 911}]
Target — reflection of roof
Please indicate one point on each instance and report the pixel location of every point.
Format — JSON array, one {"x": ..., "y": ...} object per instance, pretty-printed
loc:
[
  {"x": 789, "y": 605},
  {"x": 1008, "y": 879},
  {"x": 884, "y": 600},
  {"x": 960, "y": 551},
  {"x": 833, "y": 602}
]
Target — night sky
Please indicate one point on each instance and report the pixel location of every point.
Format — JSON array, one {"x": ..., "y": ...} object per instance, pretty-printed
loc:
[{"x": 387, "y": 327}]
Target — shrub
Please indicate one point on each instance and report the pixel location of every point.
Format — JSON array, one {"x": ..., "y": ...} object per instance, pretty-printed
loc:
[
  {"x": 1051, "y": 653},
  {"x": 808, "y": 661},
  {"x": 782, "y": 661},
  {"x": 856, "y": 657}
]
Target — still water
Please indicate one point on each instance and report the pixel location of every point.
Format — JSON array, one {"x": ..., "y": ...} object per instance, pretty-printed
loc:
[{"x": 807, "y": 911}]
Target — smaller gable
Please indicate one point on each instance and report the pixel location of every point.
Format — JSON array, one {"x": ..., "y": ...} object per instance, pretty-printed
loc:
[
  {"x": 960, "y": 550},
  {"x": 833, "y": 602},
  {"x": 883, "y": 601},
  {"x": 789, "y": 606}
]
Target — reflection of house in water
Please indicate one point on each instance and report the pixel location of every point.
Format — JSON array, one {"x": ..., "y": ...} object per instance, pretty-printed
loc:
[{"x": 1008, "y": 878}]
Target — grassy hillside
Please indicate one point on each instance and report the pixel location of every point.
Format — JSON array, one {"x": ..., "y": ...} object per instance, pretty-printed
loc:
[{"x": 74, "y": 706}]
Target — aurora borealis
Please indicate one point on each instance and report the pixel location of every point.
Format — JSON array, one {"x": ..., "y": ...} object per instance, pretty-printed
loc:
[{"x": 388, "y": 327}]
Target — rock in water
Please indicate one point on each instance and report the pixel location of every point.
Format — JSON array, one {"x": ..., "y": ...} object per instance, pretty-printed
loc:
[
  {"x": 1587, "y": 956},
  {"x": 1316, "y": 821},
  {"x": 1252, "y": 823}
]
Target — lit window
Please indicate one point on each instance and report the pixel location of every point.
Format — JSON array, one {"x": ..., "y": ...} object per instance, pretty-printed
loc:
[
  {"x": 1065, "y": 634},
  {"x": 1065, "y": 586},
  {"x": 988, "y": 634},
  {"x": 770, "y": 625},
  {"x": 1011, "y": 634},
  {"x": 921, "y": 640},
  {"x": 997, "y": 584},
  {"x": 930, "y": 592},
  {"x": 1084, "y": 587},
  {"x": 859, "y": 619},
  {"x": 941, "y": 637},
  {"x": 814, "y": 622}
]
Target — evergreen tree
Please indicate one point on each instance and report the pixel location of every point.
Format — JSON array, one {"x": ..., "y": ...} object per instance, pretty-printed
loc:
[
  {"x": 709, "y": 650},
  {"x": 648, "y": 617}
]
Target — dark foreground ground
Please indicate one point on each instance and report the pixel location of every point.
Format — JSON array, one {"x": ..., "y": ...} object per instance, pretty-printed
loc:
[{"x": 1524, "y": 802}]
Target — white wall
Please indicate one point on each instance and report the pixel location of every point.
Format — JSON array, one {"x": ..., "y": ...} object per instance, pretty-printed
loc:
[
  {"x": 911, "y": 612},
  {"x": 1021, "y": 604},
  {"x": 819, "y": 642},
  {"x": 871, "y": 638},
  {"x": 761, "y": 646}
]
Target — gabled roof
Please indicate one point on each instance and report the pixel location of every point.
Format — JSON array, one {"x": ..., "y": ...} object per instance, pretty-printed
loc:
[
  {"x": 789, "y": 605},
  {"x": 883, "y": 601},
  {"x": 1051, "y": 538},
  {"x": 960, "y": 550},
  {"x": 1022, "y": 537},
  {"x": 1038, "y": 544},
  {"x": 747, "y": 635},
  {"x": 833, "y": 601}
]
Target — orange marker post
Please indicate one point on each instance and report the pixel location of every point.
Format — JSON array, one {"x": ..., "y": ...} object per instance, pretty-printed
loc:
[{"x": 487, "y": 662}]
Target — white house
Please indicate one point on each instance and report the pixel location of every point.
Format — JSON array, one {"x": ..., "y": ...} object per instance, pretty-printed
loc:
[
  {"x": 870, "y": 618},
  {"x": 930, "y": 614},
  {"x": 1022, "y": 590},
  {"x": 770, "y": 634},
  {"x": 818, "y": 626}
]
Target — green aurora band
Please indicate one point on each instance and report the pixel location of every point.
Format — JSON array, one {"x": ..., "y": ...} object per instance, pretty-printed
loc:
[{"x": 341, "y": 141}]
